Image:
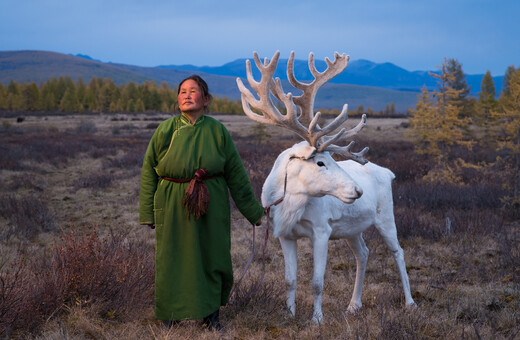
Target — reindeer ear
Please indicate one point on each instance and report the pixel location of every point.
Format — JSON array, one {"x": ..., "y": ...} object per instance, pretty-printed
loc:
[
  {"x": 310, "y": 152},
  {"x": 303, "y": 150}
]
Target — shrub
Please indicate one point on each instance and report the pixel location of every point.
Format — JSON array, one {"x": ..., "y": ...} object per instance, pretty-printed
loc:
[
  {"x": 94, "y": 181},
  {"x": 86, "y": 127},
  {"x": 27, "y": 216},
  {"x": 113, "y": 273},
  {"x": 129, "y": 160}
]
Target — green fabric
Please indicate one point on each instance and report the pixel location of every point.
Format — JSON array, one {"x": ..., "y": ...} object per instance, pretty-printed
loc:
[{"x": 193, "y": 271}]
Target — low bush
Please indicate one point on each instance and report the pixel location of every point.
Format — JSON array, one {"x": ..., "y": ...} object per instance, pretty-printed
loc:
[
  {"x": 58, "y": 148},
  {"x": 86, "y": 127},
  {"x": 114, "y": 273},
  {"x": 129, "y": 160},
  {"x": 445, "y": 196},
  {"x": 101, "y": 180},
  {"x": 27, "y": 216}
]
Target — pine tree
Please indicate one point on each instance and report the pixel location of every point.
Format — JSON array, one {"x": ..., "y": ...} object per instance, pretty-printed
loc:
[
  {"x": 150, "y": 95},
  {"x": 90, "y": 101},
  {"x": 168, "y": 97},
  {"x": 507, "y": 134},
  {"x": 3, "y": 97},
  {"x": 458, "y": 82},
  {"x": 59, "y": 90},
  {"x": 108, "y": 94},
  {"x": 31, "y": 96},
  {"x": 422, "y": 122},
  {"x": 48, "y": 95},
  {"x": 129, "y": 94},
  {"x": 487, "y": 101},
  {"x": 14, "y": 96},
  {"x": 139, "y": 105},
  {"x": 81, "y": 92},
  {"x": 437, "y": 126},
  {"x": 506, "y": 80},
  {"x": 69, "y": 102}
]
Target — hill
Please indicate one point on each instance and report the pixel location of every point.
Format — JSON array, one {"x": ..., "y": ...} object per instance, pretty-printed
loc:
[
  {"x": 39, "y": 66},
  {"x": 24, "y": 66}
]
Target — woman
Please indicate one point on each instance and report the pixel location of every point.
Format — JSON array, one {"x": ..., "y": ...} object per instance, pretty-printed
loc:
[{"x": 187, "y": 154}]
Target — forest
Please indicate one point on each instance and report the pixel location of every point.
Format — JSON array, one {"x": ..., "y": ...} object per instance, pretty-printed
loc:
[{"x": 99, "y": 95}]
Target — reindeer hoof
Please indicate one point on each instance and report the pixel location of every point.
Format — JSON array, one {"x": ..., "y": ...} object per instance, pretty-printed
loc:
[
  {"x": 317, "y": 318},
  {"x": 291, "y": 310},
  {"x": 411, "y": 306},
  {"x": 353, "y": 309}
]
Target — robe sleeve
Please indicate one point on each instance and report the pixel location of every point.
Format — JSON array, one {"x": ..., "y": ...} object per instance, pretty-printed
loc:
[
  {"x": 149, "y": 181},
  {"x": 239, "y": 184}
]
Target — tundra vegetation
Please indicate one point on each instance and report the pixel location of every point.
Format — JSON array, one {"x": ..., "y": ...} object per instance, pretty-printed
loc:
[{"x": 75, "y": 264}]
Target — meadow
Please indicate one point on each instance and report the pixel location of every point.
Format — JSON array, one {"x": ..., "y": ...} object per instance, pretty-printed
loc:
[{"x": 75, "y": 264}]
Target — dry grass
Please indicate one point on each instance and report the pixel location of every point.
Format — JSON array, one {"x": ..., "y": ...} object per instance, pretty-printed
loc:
[{"x": 80, "y": 177}]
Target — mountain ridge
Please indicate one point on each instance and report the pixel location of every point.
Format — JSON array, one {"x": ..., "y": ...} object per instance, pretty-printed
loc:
[
  {"x": 358, "y": 72},
  {"x": 39, "y": 66}
]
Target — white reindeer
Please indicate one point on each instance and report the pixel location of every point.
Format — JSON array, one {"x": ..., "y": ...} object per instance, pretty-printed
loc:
[{"x": 314, "y": 188}]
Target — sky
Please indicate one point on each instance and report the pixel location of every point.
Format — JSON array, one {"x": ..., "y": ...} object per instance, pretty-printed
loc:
[{"x": 413, "y": 34}]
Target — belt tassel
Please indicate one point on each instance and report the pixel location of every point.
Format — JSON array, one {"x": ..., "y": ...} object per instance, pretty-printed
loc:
[{"x": 196, "y": 196}]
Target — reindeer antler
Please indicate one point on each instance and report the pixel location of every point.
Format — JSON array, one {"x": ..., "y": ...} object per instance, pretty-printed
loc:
[{"x": 304, "y": 104}]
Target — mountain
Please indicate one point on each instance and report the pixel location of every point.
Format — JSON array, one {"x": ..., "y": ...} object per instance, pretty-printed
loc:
[
  {"x": 362, "y": 83},
  {"x": 358, "y": 72}
]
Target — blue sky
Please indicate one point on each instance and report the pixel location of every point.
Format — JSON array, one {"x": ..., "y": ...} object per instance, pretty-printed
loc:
[{"x": 414, "y": 34}]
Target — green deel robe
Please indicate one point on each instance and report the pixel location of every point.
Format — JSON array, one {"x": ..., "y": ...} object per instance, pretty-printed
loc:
[{"x": 193, "y": 271}]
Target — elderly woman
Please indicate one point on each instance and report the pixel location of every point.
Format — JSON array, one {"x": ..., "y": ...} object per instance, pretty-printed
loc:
[{"x": 190, "y": 163}]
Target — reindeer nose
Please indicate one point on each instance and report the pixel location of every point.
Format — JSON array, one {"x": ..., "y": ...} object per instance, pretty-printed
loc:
[{"x": 359, "y": 192}]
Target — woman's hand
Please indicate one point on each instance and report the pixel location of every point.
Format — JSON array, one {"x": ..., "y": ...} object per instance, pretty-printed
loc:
[{"x": 151, "y": 226}]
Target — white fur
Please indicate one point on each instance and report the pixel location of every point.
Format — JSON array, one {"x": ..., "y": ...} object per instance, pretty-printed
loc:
[{"x": 325, "y": 202}]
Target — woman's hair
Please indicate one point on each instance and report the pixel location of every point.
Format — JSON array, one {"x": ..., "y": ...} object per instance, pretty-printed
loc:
[{"x": 202, "y": 85}]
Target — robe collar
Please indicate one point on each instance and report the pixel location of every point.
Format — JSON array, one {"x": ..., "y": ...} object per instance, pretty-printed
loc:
[{"x": 186, "y": 120}]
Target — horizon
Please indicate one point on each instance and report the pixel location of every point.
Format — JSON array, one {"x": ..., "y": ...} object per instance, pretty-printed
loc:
[{"x": 481, "y": 34}]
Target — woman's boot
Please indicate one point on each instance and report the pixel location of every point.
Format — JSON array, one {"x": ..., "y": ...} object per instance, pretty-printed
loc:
[{"x": 212, "y": 321}]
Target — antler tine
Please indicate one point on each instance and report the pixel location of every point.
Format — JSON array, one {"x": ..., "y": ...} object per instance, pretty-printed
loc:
[
  {"x": 341, "y": 137},
  {"x": 306, "y": 100},
  {"x": 249, "y": 100},
  {"x": 270, "y": 115},
  {"x": 315, "y": 129},
  {"x": 345, "y": 152}
]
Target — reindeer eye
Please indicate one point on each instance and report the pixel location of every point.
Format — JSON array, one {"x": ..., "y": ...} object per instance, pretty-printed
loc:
[{"x": 320, "y": 163}]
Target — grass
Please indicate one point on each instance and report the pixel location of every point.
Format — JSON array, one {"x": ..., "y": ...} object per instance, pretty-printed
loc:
[{"x": 75, "y": 264}]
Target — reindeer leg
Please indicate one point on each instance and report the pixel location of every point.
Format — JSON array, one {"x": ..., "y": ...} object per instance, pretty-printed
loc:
[
  {"x": 390, "y": 237},
  {"x": 289, "y": 248},
  {"x": 320, "y": 247},
  {"x": 360, "y": 250}
]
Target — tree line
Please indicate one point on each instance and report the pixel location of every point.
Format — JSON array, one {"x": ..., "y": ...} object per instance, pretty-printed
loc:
[
  {"x": 450, "y": 127},
  {"x": 99, "y": 95},
  {"x": 103, "y": 95}
]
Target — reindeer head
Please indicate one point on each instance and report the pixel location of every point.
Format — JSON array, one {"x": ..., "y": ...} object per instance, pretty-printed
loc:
[
  {"x": 317, "y": 174},
  {"x": 309, "y": 162},
  {"x": 300, "y": 109}
]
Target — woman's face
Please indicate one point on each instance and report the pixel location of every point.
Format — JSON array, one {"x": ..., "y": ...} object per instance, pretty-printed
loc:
[{"x": 191, "y": 99}]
